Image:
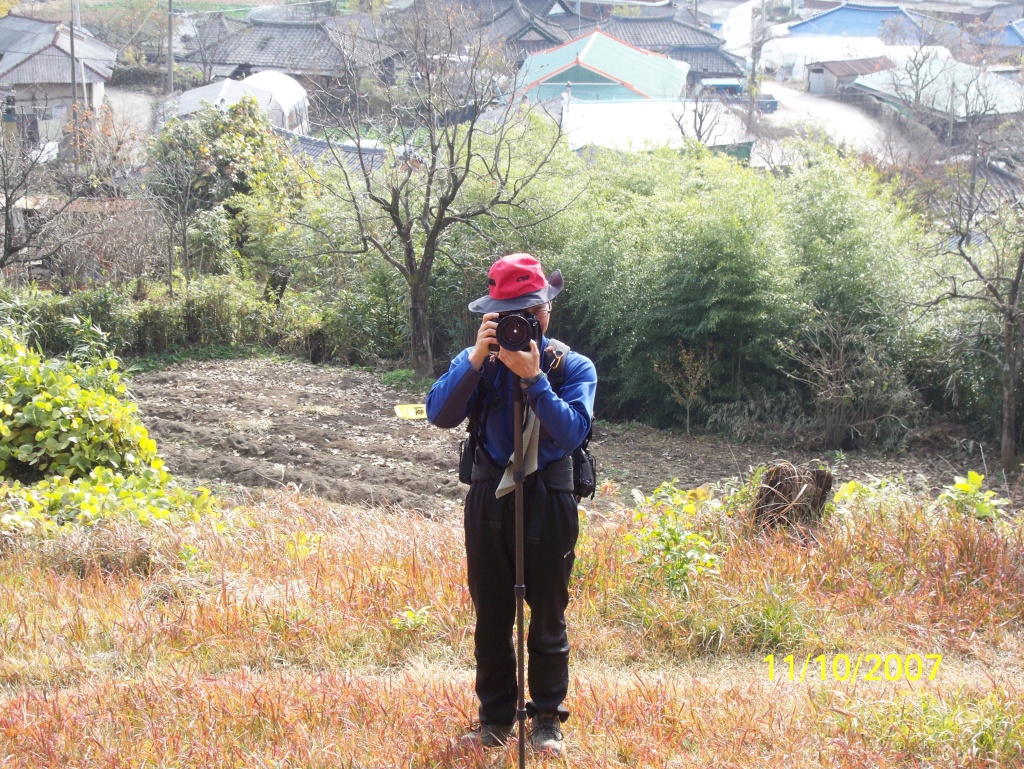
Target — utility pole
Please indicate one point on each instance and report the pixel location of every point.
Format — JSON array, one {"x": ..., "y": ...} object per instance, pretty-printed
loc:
[
  {"x": 170, "y": 47},
  {"x": 74, "y": 88},
  {"x": 759, "y": 33},
  {"x": 952, "y": 111},
  {"x": 76, "y": 10}
]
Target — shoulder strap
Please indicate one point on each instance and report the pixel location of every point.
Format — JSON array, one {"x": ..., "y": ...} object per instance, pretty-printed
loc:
[
  {"x": 478, "y": 414},
  {"x": 556, "y": 362},
  {"x": 556, "y": 373}
]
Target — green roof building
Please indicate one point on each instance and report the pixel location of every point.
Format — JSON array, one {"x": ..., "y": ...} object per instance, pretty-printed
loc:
[{"x": 601, "y": 68}]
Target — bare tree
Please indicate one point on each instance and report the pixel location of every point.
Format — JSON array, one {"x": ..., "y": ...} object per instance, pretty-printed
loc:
[
  {"x": 980, "y": 254},
  {"x": 943, "y": 81},
  {"x": 856, "y": 386},
  {"x": 987, "y": 273},
  {"x": 452, "y": 149},
  {"x": 110, "y": 147},
  {"x": 916, "y": 80},
  {"x": 34, "y": 198},
  {"x": 702, "y": 116},
  {"x": 211, "y": 36},
  {"x": 123, "y": 243},
  {"x": 132, "y": 241}
]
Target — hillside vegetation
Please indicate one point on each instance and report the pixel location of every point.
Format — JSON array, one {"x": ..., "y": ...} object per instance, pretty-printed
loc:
[
  {"x": 820, "y": 301},
  {"x": 819, "y": 306}
]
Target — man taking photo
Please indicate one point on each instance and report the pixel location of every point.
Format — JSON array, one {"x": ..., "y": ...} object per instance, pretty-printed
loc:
[{"x": 559, "y": 411}]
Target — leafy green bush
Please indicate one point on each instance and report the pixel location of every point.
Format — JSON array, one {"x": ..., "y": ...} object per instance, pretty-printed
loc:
[
  {"x": 220, "y": 310},
  {"x": 59, "y": 417},
  {"x": 145, "y": 496},
  {"x": 671, "y": 249},
  {"x": 72, "y": 450},
  {"x": 677, "y": 555},
  {"x": 688, "y": 248},
  {"x": 965, "y": 497}
]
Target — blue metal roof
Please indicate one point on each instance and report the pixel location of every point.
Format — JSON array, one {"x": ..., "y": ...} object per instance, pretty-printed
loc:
[
  {"x": 1011, "y": 36},
  {"x": 852, "y": 20}
]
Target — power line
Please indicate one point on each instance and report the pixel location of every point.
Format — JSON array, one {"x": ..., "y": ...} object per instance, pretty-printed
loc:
[
  {"x": 145, "y": 21},
  {"x": 44, "y": 53},
  {"x": 243, "y": 8}
]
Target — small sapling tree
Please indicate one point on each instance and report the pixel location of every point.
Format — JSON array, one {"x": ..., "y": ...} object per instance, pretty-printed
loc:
[{"x": 688, "y": 377}]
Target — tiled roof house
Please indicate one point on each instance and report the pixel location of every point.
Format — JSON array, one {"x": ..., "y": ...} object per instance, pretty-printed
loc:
[
  {"x": 326, "y": 48},
  {"x": 35, "y": 67},
  {"x": 531, "y": 26}
]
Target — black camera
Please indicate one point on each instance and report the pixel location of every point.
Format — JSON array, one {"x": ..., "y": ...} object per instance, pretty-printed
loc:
[{"x": 516, "y": 329}]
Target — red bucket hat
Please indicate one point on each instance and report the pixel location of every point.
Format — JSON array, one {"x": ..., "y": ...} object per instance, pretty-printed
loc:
[{"x": 516, "y": 282}]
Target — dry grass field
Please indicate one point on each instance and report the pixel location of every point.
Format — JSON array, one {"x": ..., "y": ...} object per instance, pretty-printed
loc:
[{"x": 286, "y": 631}]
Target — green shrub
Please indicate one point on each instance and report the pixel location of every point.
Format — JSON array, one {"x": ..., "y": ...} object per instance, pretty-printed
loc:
[
  {"x": 221, "y": 310},
  {"x": 44, "y": 316},
  {"x": 673, "y": 249},
  {"x": 72, "y": 450},
  {"x": 677, "y": 555},
  {"x": 146, "y": 496},
  {"x": 59, "y": 417},
  {"x": 965, "y": 497}
]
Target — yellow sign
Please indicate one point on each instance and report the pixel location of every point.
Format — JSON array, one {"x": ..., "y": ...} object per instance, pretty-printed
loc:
[{"x": 411, "y": 411}]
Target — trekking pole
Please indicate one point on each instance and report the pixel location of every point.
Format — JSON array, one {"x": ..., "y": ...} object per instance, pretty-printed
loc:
[{"x": 520, "y": 587}]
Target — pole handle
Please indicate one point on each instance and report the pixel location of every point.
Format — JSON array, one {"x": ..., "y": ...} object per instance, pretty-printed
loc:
[{"x": 520, "y": 587}]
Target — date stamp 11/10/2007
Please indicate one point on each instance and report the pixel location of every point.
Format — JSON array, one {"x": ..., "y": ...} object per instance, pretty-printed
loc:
[{"x": 864, "y": 667}]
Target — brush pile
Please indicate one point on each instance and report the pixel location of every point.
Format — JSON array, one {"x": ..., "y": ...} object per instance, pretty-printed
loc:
[{"x": 791, "y": 495}]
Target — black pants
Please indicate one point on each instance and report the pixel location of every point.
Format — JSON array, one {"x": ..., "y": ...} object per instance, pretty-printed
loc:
[{"x": 490, "y": 556}]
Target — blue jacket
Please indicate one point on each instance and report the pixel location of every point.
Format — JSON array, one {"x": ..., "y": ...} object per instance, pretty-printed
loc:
[{"x": 565, "y": 417}]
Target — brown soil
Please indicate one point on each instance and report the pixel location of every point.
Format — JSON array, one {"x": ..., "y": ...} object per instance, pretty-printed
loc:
[{"x": 333, "y": 432}]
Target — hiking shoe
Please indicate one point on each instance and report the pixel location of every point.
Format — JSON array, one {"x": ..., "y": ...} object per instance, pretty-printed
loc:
[
  {"x": 487, "y": 735},
  {"x": 546, "y": 734}
]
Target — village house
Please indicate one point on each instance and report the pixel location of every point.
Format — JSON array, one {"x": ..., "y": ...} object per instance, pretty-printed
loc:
[
  {"x": 597, "y": 67},
  {"x": 525, "y": 27},
  {"x": 317, "y": 53},
  {"x": 826, "y": 78},
  {"x": 915, "y": 24},
  {"x": 863, "y": 20},
  {"x": 1004, "y": 44},
  {"x": 964, "y": 12},
  {"x": 946, "y": 95},
  {"x": 35, "y": 71}
]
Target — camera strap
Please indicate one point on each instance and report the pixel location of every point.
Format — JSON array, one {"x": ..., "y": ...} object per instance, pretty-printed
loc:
[
  {"x": 488, "y": 395},
  {"x": 556, "y": 374}
]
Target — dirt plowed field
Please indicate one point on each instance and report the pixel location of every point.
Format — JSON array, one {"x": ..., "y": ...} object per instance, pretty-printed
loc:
[{"x": 333, "y": 431}]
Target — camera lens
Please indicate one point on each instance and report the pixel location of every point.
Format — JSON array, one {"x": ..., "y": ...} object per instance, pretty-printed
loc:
[{"x": 514, "y": 332}]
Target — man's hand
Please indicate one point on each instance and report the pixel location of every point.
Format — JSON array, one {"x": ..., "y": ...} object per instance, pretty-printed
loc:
[
  {"x": 485, "y": 337},
  {"x": 525, "y": 363}
]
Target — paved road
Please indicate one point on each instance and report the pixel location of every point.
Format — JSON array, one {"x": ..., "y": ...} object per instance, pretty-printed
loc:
[
  {"x": 133, "y": 106},
  {"x": 843, "y": 123}
]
